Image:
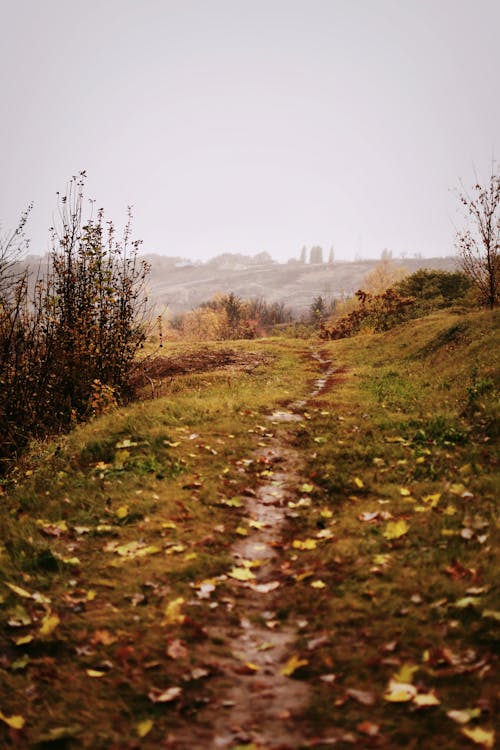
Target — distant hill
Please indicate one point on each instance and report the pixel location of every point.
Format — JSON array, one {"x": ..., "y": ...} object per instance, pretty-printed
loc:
[{"x": 182, "y": 285}]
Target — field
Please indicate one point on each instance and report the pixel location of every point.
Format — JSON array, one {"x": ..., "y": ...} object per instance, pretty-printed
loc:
[{"x": 284, "y": 544}]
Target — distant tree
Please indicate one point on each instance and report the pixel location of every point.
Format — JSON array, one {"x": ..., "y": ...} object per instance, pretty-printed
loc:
[
  {"x": 318, "y": 311},
  {"x": 434, "y": 289},
  {"x": 479, "y": 244},
  {"x": 316, "y": 255},
  {"x": 303, "y": 255}
]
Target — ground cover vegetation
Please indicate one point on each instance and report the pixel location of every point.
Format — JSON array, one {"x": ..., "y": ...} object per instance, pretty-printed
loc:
[{"x": 117, "y": 609}]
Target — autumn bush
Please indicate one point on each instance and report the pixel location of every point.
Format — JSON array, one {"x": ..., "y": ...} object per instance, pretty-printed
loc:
[
  {"x": 69, "y": 337},
  {"x": 380, "y": 312}
]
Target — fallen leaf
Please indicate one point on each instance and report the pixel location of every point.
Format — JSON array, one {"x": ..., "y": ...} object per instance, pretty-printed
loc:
[
  {"x": 307, "y": 488},
  {"x": 95, "y": 673},
  {"x": 176, "y": 649},
  {"x": 241, "y": 574},
  {"x": 399, "y": 692},
  {"x": 362, "y": 696},
  {"x": 122, "y": 511},
  {"x": 144, "y": 727},
  {"x": 15, "y": 722},
  {"x": 265, "y": 588},
  {"x": 318, "y": 584},
  {"x": 396, "y": 529},
  {"x": 305, "y": 544},
  {"x": 19, "y": 591},
  {"x": 49, "y": 623},
  {"x": 293, "y": 663},
  {"x": 156, "y": 695},
  {"x": 464, "y": 715},
  {"x": 172, "y": 613},
  {"x": 426, "y": 700},
  {"x": 405, "y": 673},
  {"x": 484, "y": 737},
  {"x": 358, "y": 482}
]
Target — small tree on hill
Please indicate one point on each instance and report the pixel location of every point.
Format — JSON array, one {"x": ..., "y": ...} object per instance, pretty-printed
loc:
[{"x": 479, "y": 244}]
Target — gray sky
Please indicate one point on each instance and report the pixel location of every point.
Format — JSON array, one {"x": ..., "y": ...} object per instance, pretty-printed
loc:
[{"x": 251, "y": 125}]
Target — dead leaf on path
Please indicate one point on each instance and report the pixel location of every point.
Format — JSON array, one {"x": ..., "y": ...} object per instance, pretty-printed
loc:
[
  {"x": 144, "y": 727},
  {"x": 241, "y": 574},
  {"x": 265, "y": 588},
  {"x": 318, "y": 584},
  {"x": 103, "y": 637},
  {"x": 173, "y": 614},
  {"x": 484, "y": 737},
  {"x": 464, "y": 715},
  {"x": 405, "y": 673},
  {"x": 396, "y": 529},
  {"x": 156, "y": 695},
  {"x": 176, "y": 649},
  {"x": 368, "y": 516},
  {"x": 362, "y": 696},
  {"x": 293, "y": 663},
  {"x": 400, "y": 692},
  {"x": 305, "y": 544},
  {"x": 426, "y": 700},
  {"x": 14, "y": 722},
  {"x": 49, "y": 623},
  {"x": 19, "y": 591},
  {"x": 307, "y": 488},
  {"x": 95, "y": 673}
]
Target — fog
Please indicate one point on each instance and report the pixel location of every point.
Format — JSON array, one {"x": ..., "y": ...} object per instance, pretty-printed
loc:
[{"x": 236, "y": 126}]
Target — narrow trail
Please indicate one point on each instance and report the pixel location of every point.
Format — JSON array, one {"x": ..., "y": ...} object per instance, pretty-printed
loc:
[{"x": 257, "y": 702}]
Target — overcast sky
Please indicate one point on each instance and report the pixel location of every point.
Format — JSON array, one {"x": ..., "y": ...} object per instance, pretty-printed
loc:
[{"x": 251, "y": 125}]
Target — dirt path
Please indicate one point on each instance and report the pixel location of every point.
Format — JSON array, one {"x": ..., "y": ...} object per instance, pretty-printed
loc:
[{"x": 259, "y": 701}]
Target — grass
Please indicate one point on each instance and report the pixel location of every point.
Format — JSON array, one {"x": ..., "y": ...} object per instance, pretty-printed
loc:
[
  {"x": 108, "y": 531},
  {"x": 400, "y": 441}
]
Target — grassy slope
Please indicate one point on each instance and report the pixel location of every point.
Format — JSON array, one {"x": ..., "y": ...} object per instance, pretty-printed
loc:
[{"x": 406, "y": 430}]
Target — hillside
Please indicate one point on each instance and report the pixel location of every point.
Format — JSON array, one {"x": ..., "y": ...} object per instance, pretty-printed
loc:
[
  {"x": 293, "y": 546},
  {"x": 182, "y": 286}
]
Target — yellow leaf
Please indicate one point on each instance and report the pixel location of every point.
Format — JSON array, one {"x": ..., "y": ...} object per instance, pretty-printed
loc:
[
  {"x": 325, "y": 513},
  {"x": 396, "y": 529},
  {"x": 15, "y": 722},
  {"x": 458, "y": 489},
  {"x": 358, "y": 482},
  {"x": 19, "y": 591},
  {"x": 426, "y": 700},
  {"x": 23, "y": 639},
  {"x": 91, "y": 595},
  {"x": 432, "y": 500},
  {"x": 144, "y": 727},
  {"x": 484, "y": 737},
  {"x": 122, "y": 511},
  {"x": 49, "y": 623},
  {"x": 405, "y": 674},
  {"x": 306, "y": 544},
  {"x": 400, "y": 692},
  {"x": 307, "y": 488},
  {"x": 293, "y": 663},
  {"x": 464, "y": 715},
  {"x": 241, "y": 574},
  {"x": 450, "y": 510},
  {"x": 95, "y": 673},
  {"x": 242, "y": 531},
  {"x": 173, "y": 615},
  {"x": 404, "y": 492},
  {"x": 318, "y": 584}
]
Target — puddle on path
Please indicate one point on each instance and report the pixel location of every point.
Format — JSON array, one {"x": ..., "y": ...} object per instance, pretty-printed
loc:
[{"x": 258, "y": 704}]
